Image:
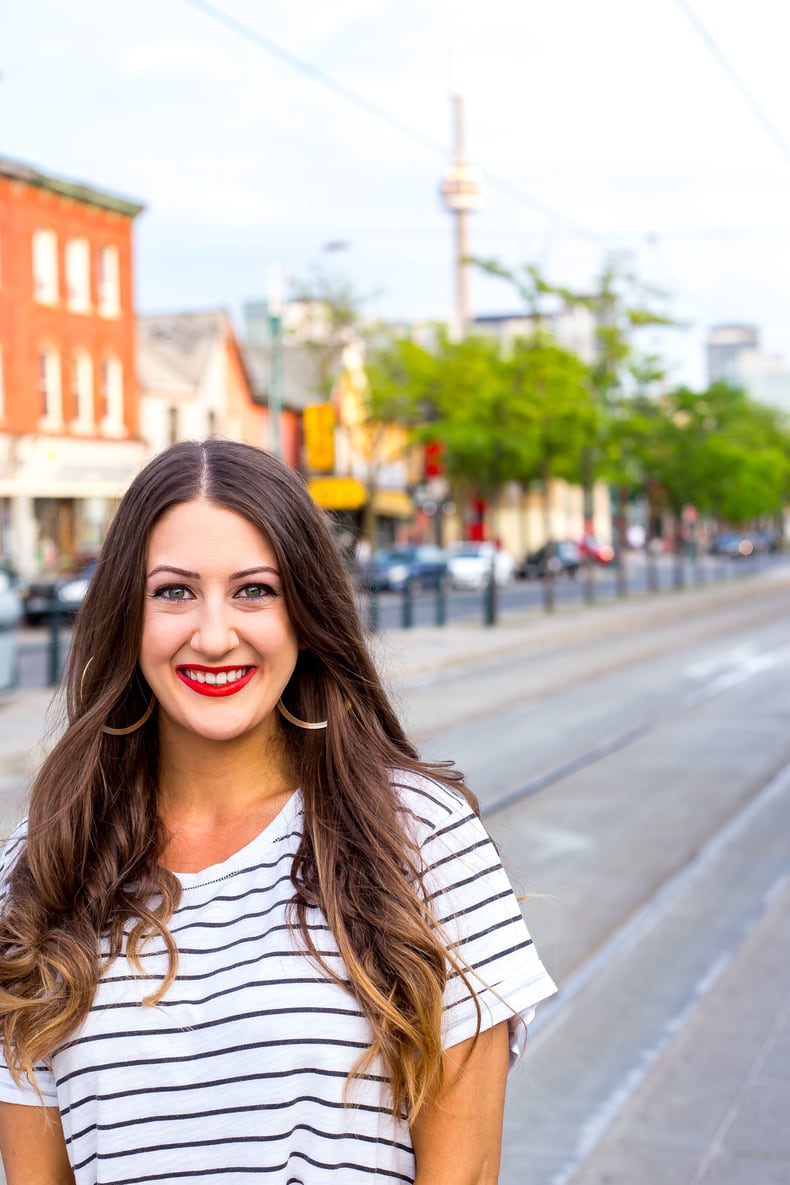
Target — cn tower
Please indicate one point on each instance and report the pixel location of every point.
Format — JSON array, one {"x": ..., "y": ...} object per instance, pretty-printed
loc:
[{"x": 463, "y": 192}]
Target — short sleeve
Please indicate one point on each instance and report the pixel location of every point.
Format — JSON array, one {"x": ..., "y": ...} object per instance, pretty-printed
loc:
[
  {"x": 9, "y": 1091},
  {"x": 474, "y": 904}
]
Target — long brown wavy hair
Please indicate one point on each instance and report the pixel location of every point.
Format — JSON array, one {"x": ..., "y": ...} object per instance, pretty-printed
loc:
[{"x": 89, "y": 866}]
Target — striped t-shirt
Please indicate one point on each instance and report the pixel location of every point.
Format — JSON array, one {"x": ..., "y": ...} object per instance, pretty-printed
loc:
[{"x": 240, "y": 1071}]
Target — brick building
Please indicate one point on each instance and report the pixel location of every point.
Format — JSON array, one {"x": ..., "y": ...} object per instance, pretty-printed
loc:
[{"x": 69, "y": 438}]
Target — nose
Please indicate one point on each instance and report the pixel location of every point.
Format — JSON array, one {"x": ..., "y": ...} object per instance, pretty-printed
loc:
[{"x": 215, "y": 634}]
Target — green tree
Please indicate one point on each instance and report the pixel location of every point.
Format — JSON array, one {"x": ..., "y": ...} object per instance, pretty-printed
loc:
[
  {"x": 715, "y": 450},
  {"x": 620, "y": 306}
]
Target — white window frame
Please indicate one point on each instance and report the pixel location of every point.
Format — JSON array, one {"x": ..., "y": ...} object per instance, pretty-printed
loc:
[
  {"x": 112, "y": 395},
  {"x": 109, "y": 281},
  {"x": 50, "y": 388},
  {"x": 45, "y": 265},
  {"x": 82, "y": 382},
  {"x": 78, "y": 275}
]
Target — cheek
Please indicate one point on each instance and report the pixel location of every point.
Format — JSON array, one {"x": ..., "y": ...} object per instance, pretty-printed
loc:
[{"x": 157, "y": 643}]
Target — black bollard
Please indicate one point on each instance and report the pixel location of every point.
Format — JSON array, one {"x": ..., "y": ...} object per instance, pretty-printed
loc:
[
  {"x": 407, "y": 605},
  {"x": 373, "y": 609},
  {"x": 54, "y": 646},
  {"x": 490, "y": 599},
  {"x": 440, "y": 617}
]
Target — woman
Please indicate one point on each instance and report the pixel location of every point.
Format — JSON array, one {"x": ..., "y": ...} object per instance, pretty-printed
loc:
[{"x": 246, "y": 931}]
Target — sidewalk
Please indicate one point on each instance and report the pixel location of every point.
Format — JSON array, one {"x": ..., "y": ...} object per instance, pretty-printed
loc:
[{"x": 30, "y": 719}]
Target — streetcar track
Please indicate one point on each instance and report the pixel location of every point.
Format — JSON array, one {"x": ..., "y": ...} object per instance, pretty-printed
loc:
[
  {"x": 644, "y": 915},
  {"x": 625, "y": 938},
  {"x": 718, "y": 686},
  {"x": 753, "y": 615}
]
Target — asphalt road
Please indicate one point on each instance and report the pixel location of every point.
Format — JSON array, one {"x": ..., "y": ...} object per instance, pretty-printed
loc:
[{"x": 638, "y": 785}]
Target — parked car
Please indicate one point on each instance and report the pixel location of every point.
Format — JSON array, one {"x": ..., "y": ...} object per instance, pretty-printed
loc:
[
  {"x": 420, "y": 566},
  {"x": 556, "y": 557},
  {"x": 469, "y": 565},
  {"x": 593, "y": 549},
  {"x": 732, "y": 544},
  {"x": 62, "y": 594}
]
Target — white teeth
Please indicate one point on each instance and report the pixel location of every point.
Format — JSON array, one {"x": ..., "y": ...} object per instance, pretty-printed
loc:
[{"x": 215, "y": 679}]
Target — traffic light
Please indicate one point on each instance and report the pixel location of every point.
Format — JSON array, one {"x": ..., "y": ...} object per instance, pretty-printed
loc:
[
  {"x": 434, "y": 459},
  {"x": 319, "y": 437}
]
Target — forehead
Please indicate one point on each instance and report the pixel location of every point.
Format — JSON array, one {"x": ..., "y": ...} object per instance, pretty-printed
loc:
[{"x": 206, "y": 534}]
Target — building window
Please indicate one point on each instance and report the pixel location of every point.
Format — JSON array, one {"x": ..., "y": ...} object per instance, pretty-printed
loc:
[
  {"x": 49, "y": 386},
  {"x": 82, "y": 385},
  {"x": 172, "y": 425},
  {"x": 45, "y": 266},
  {"x": 112, "y": 395},
  {"x": 78, "y": 275},
  {"x": 109, "y": 282},
  {"x": 211, "y": 429}
]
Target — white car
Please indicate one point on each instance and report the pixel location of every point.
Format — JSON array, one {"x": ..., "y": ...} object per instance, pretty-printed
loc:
[{"x": 469, "y": 565}]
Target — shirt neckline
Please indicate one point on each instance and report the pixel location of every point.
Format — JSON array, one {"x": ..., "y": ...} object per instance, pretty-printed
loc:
[{"x": 250, "y": 852}]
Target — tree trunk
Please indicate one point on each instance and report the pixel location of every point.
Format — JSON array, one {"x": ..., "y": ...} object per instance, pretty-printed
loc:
[{"x": 677, "y": 548}]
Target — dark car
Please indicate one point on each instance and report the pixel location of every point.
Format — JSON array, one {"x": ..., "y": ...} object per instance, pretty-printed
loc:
[
  {"x": 554, "y": 558},
  {"x": 421, "y": 566},
  {"x": 62, "y": 594},
  {"x": 732, "y": 544}
]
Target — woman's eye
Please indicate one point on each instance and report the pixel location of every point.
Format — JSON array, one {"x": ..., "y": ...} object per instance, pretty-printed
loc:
[
  {"x": 256, "y": 592},
  {"x": 172, "y": 592}
]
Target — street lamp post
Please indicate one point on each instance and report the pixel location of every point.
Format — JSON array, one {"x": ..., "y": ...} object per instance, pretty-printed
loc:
[{"x": 275, "y": 400}]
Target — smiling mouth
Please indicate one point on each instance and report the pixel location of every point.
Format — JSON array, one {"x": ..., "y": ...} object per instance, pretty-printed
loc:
[{"x": 215, "y": 681}]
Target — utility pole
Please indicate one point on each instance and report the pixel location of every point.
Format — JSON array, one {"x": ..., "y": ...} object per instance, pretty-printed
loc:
[{"x": 463, "y": 193}]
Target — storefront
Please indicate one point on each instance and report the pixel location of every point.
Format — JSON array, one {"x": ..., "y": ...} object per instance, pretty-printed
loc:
[{"x": 57, "y": 497}]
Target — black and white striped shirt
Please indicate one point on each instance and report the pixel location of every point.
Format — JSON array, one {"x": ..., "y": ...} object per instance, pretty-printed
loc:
[{"x": 240, "y": 1071}]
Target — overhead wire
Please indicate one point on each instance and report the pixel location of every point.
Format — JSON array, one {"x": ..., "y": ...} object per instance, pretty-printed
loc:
[
  {"x": 553, "y": 216},
  {"x": 373, "y": 109},
  {"x": 767, "y": 125}
]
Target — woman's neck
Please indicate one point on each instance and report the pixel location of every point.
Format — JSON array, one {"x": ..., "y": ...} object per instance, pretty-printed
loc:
[{"x": 216, "y": 796}]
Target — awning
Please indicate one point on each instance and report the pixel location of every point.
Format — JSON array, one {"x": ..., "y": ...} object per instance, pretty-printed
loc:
[
  {"x": 393, "y": 504},
  {"x": 337, "y": 493}
]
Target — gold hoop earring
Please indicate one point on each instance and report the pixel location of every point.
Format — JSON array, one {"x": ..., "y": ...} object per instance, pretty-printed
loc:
[
  {"x": 118, "y": 732},
  {"x": 122, "y": 732},
  {"x": 281, "y": 708}
]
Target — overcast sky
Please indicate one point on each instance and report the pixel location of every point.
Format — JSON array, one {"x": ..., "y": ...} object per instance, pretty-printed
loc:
[{"x": 599, "y": 126}]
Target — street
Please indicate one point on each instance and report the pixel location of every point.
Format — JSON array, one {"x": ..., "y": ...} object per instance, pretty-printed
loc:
[
  {"x": 639, "y": 789},
  {"x": 633, "y": 763},
  {"x": 391, "y": 610}
]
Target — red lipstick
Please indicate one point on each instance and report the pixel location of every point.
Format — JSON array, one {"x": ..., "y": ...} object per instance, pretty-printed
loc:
[{"x": 215, "y": 690}]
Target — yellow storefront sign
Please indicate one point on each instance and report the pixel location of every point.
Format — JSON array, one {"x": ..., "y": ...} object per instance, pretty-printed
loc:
[
  {"x": 393, "y": 504},
  {"x": 337, "y": 493}
]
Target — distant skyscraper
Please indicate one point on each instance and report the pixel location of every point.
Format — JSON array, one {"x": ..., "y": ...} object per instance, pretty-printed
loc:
[{"x": 726, "y": 344}]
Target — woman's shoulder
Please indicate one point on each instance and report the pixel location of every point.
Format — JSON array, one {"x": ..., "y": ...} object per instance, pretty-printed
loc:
[{"x": 430, "y": 804}]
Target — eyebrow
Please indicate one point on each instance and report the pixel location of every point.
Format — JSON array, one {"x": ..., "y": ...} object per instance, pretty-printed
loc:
[{"x": 196, "y": 575}]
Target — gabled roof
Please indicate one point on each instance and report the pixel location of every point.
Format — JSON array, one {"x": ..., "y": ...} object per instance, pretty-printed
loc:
[
  {"x": 301, "y": 379},
  {"x": 173, "y": 349},
  {"x": 76, "y": 190}
]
